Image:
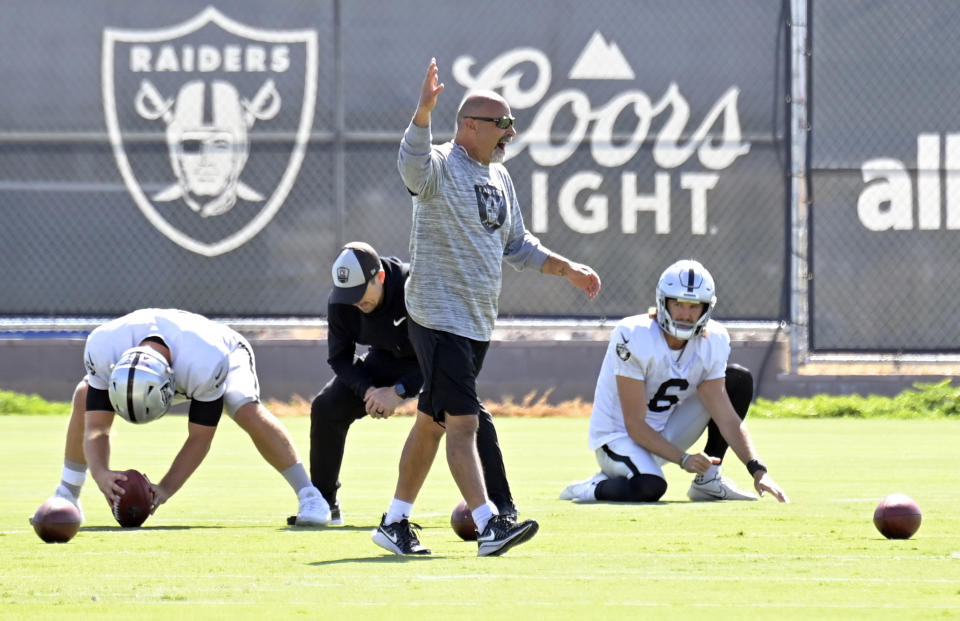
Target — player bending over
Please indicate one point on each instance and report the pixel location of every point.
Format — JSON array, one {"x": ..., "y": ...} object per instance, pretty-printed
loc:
[{"x": 136, "y": 366}]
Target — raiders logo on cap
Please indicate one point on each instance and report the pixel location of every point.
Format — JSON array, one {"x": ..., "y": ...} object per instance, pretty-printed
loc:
[{"x": 356, "y": 264}]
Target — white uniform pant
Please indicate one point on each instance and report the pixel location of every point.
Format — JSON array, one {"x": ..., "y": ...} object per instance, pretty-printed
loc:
[
  {"x": 242, "y": 385},
  {"x": 625, "y": 458}
]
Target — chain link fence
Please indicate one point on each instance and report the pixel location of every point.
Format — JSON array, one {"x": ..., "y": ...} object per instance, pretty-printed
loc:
[
  {"x": 215, "y": 158},
  {"x": 648, "y": 132},
  {"x": 884, "y": 168}
]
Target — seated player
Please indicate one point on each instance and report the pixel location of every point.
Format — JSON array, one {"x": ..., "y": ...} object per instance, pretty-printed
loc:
[{"x": 664, "y": 379}]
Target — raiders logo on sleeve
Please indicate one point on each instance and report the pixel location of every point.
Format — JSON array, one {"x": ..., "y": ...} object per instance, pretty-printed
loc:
[{"x": 622, "y": 350}]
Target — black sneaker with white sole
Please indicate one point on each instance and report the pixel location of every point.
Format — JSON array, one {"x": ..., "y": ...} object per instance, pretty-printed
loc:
[
  {"x": 502, "y": 533},
  {"x": 398, "y": 537}
]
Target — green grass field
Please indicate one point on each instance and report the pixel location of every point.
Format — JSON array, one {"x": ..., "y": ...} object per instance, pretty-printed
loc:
[{"x": 220, "y": 548}]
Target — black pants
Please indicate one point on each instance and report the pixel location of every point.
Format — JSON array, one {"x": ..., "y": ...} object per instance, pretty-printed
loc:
[{"x": 336, "y": 407}]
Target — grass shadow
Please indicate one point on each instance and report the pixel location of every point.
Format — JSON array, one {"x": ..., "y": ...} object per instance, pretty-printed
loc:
[
  {"x": 655, "y": 503},
  {"x": 345, "y": 528},
  {"x": 384, "y": 558},
  {"x": 110, "y": 529}
]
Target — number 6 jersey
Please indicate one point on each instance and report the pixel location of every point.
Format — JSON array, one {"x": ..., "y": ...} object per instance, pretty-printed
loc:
[{"x": 638, "y": 350}]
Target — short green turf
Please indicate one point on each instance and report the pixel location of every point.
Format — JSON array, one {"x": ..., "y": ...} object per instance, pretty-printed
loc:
[{"x": 220, "y": 548}]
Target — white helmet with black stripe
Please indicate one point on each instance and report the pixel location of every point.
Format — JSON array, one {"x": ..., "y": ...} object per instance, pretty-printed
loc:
[
  {"x": 687, "y": 281},
  {"x": 141, "y": 385}
]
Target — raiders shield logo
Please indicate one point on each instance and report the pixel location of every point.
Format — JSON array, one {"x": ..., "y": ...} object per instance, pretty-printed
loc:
[
  {"x": 492, "y": 207},
  {"x": 622, "y": 352},
  {"x": 209, "y": 121}
]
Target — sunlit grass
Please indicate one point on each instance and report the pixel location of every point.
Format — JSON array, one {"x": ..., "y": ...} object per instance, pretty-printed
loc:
[{"x": 220, "y": 548}]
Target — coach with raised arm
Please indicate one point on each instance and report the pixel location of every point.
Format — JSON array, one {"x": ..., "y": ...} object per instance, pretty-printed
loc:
[{"x": 466, "y": 223}]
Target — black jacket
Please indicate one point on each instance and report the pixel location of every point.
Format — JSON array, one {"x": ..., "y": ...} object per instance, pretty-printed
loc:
[{"x": 384, "y": 330}]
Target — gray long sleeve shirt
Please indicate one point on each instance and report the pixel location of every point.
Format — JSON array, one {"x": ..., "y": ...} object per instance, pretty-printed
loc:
[{"x": 466, "y": 220}]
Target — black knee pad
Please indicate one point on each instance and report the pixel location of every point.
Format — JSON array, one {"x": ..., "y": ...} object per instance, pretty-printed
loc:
[
  {"x": 647, "y": 488},
  {"x": 739, "y": 384}
]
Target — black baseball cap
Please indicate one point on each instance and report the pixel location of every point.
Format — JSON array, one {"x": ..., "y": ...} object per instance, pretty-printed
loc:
[{"x": 356, "y": 264}]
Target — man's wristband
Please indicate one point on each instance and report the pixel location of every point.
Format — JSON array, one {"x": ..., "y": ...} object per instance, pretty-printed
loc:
[
  {"x": 755, "y": 465},
  {"x": 683, "y": 459},
  {"x": 400, "y": 390}
]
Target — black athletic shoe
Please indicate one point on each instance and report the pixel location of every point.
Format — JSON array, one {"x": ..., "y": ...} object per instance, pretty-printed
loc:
[
  {"x": 508, "y": 511},
  {"x": 398, "y": 537},
  {"x": 502, "y": 533},
  {"x": 336, "y": 518}
]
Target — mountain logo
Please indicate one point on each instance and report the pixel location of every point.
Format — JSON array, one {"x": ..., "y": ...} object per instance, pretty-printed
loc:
[{"x": 601, "y": 60}]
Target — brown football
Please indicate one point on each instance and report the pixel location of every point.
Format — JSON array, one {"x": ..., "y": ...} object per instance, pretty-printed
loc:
[
  {"x": 897, "y": 517},
  {"x": 134, "y": 505},
  {"x": 57, "y": 520},
  {"x": 461, "y": 520}
]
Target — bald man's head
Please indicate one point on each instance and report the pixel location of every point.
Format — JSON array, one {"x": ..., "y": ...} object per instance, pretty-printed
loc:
[{"x": 481, "y": 103}]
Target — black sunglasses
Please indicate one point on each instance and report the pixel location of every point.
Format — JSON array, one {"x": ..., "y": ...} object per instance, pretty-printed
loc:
[{"x": 503, "y": 122}]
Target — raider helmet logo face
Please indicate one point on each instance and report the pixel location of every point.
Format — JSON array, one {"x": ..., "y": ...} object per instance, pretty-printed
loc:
[
  {"x": 492, "y": 207},
  {"x": 207, "y": 87}
]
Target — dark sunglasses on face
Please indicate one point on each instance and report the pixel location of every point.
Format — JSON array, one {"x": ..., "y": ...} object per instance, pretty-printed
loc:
[{"x": 503, "y": 122}]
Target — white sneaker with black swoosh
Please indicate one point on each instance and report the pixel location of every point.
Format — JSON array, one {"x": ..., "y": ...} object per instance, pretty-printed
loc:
[
  {"x": 716, "y": 487},
  {"x": 398, "y": 537}
]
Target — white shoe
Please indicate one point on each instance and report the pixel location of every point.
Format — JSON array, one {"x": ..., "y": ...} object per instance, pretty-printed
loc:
[
  {"x": 716, "y": 488},
  {"x": 583, "y": 490},
  {"x": 66, "y": 494},
  {"x": 314, "y": 510}
]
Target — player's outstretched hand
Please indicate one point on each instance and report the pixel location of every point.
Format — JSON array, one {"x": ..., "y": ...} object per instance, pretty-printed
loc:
[{"x": 765, "y": 484}]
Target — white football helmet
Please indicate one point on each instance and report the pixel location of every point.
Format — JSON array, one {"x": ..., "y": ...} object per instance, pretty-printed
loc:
[
  {"x": 141, "y": 385},
  {"x": 688, "y": 281}
]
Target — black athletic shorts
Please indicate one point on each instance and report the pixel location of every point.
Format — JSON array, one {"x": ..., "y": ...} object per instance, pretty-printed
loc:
[{"x": 450, "y": 365}]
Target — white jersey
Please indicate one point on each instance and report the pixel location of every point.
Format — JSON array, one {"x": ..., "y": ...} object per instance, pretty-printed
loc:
[
  {"x": 199, "y": 349},
  {"x": 639, "y": 350}
]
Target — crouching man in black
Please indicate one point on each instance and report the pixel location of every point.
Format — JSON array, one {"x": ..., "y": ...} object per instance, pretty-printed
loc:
[{"x": 366, "y": 307}]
